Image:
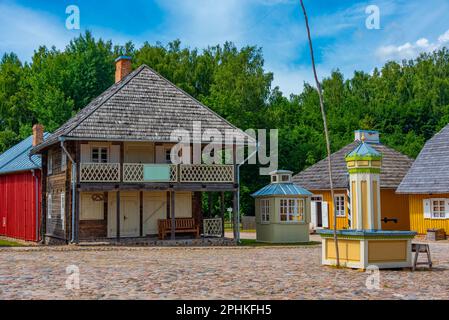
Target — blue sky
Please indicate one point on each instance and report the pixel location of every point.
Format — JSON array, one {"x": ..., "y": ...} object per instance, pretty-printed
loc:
[{"x": 341, "y": 39}]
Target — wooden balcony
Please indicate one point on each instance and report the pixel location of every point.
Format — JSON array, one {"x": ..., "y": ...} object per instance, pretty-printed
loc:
[{"x": 153, "y": 173}]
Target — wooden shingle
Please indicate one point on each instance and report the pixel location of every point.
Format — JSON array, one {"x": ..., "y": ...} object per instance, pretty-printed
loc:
[
  {"x": 394, "y": 167},
  {"x": 430, "y": 172},
  {"x": 144, "y": 106}
]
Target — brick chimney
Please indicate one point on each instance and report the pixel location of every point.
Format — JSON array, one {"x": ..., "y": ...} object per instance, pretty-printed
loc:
[
  {"x": 38, "y": 134},
  {"x": 122, "y": 67}
]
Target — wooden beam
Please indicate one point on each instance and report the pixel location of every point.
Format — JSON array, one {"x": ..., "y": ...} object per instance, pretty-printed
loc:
[
  {"x": 234, "y": 215},
  {"x": 43, "y": 228},
  {"x": 173, "y": 218},
  {"x": 209, "y": 204},
  {"x": 141, "y": 213},
  {"x": 222, "y": 203},
  {"x": 118, "y": 215},
  {"x": 77, "y": 191}
]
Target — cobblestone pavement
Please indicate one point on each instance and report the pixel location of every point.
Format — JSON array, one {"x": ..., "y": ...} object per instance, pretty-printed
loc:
[{"x": 206, "y": 273}]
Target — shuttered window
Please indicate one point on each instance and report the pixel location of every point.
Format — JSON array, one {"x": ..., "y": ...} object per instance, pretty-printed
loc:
[
  {"x": 340, "y": 205},
  {"x": 438, "y": 208},
  {"x": 99, "y": 155}
]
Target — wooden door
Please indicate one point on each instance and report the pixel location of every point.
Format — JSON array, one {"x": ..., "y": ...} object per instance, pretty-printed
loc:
[
  {"x": 154, "y": 208},
  {"x": 129, "y": 214}
]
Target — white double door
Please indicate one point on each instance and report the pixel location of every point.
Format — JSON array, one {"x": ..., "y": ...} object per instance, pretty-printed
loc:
[
  {"x": 154, "y": 208},
  {"x": 129, "y": 214}
]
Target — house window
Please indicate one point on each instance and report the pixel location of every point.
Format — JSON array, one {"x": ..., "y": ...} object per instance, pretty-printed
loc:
[
  {"x": 274, "y": 179},
  {"x": 99, "y": 155},
  {"x": 167, "y": 155},
  {"x": 265, "y": 210},
  {"x": 50, "y": 163},
  {"x": 340, "y": 205},
  {"x": 63, "y": 161},
  {"x": 49, "y": 206},
  {"x": 285, "y": 178},
  {"x": 292, "y": 210},
  {"x": 63, "y": 210},
  {"x": 438, "y": 208}
]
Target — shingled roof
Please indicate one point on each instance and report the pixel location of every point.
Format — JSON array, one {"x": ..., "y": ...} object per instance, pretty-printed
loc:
[
  {"x": 394, "y": 167},
  {"x": 144, "y": 106},
  {"x": 430, "y": 171}
]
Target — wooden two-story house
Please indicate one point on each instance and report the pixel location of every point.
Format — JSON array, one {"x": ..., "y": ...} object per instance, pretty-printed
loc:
[{"x": 108, "y": 171}]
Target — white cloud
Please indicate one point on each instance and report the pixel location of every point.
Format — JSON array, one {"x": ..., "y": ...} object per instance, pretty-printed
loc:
[
  {"x": 411, "y": 50},
  {"x": 25, "y": 30}
]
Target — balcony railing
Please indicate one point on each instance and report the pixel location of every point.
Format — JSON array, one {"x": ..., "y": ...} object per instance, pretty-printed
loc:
[
  {"x": 141, "y": 173},
  {"x": 100, "y": 172}
]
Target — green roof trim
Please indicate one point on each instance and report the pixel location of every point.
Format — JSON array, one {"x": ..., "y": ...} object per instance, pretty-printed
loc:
[{"x": 364, "y": 170}]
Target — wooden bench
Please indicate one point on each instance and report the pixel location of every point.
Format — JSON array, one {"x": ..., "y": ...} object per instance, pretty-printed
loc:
[{"x": 182, "y": 225}]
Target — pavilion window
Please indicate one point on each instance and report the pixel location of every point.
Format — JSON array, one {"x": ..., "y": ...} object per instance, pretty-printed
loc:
[
  {"x": 292, "y": 210},
  {"x": 265, "y": 210}
]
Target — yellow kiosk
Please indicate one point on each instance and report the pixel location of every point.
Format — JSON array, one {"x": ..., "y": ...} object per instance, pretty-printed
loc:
[{"x": 365, "y": 243}]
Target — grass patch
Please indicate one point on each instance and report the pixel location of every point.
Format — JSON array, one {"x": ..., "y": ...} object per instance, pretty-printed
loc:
[
  {"x": 254, "y": 243},
  {"x": 6, "y": 243},
  {"x": 246, "y": 231}
]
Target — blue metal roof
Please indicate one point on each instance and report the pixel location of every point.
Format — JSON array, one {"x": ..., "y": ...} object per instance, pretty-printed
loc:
[
  {"x": 281, "y": 189},
  {"x": 16, "y": 158},
  {"x": 364, "y": 149}
]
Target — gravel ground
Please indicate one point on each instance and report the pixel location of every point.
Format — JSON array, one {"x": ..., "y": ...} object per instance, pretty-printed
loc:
[{"x": 206, "y": 273}]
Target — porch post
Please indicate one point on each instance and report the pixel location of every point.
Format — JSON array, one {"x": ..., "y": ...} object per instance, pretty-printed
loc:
[
  {"x": 234, "y": 214},
  {"x": 173, "y": 219},
  {"x": 209, "y": 204},
  {"x": 77, "y": 192},
  {"x": 118, "y": 215},
  {"x": 141, "y": 213},
  {"x": 222, "y": 203}
]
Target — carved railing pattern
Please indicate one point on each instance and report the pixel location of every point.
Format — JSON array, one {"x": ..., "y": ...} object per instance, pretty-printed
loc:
[
  {"x": 213, "y": 227},
  {"x": 100, "y": 172},
  {"x": 134, "y": 173},
  {"x": 206, "y": 173}
]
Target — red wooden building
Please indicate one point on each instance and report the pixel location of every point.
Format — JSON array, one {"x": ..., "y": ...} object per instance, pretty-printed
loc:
[{"x": 20, "y": 189}]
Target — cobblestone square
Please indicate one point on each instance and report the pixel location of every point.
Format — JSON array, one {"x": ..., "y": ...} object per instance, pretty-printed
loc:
[{"x": 206, "y": 273}]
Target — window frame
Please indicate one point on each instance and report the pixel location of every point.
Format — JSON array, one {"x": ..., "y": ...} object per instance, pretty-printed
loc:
[
  {"x": 100, "y": 149},
  {"x": 62, "y": 212},
  {"x": 49, "y": 205},
  {"x": 293, "y": 209},
  {"x": 340, "y": 212},
  {"x": 265, "y": 211},
  {"x": 50, "y": 162},
  {"x": 444, "y": 212},
  {"x": 63, "y": 161}
]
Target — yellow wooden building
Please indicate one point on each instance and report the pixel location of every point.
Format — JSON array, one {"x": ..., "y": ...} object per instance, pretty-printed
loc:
[
  {"x": 427, "y": 186},
  {"x": 394, "y": 207}
]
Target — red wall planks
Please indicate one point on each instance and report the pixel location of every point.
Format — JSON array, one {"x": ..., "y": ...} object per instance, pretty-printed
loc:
[{"x": 18, "y": 205}]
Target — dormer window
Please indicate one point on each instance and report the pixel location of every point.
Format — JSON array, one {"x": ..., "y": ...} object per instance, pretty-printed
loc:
[
  {"x": 285, "y": 178},
  {"x": 274, "y": 178}
]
